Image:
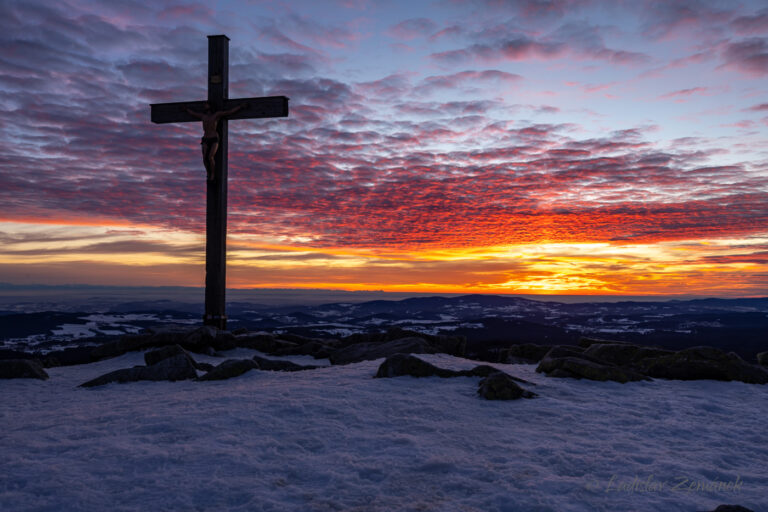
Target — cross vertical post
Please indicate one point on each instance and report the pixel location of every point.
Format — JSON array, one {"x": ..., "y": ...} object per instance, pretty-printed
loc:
[
  {"x": 216, "y": 193},
  {"x": 216, "y": 214}
]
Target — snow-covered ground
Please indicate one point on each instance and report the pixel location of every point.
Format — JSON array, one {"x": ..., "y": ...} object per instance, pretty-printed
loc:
[{"x": 335, "y": 439}]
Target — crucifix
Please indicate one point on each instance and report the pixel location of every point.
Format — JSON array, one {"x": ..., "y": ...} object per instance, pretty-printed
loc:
[{"x": 214, "y": 113}]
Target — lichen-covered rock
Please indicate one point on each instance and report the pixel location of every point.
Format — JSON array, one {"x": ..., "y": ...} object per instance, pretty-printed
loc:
[
  {"x": 155, "y": 356},
  {"x": 732, "y": 508},
  {"x": 697, "y": 363},
  {"x": 762, "y": 358},
  {"x": 525, "y": 353},
  {"x": 279, "y": 365},
  {"x": 230, "y": 368},
  {"x": 585, "y": 342},
  {"x": 22, "y": 369},
  {"x": 398, "y": 365},
  {"x": 173, "y": 368},
  {"x": 623, "y": 353},
  {"x": 369, "y": 351},
  {"x": 500, "y": 386},
  {"x": 577, "y": 367}
]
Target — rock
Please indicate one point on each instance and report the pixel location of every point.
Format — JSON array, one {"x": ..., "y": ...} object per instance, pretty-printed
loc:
[
  {"x": 155, "y": 356},
  {"x": 178, "y": 367},
  {"x": 280, "y": 366},
  {"x": 316, "y": 349},
  {"x": 732, "y": 508},
  {"x": 500, "y": 386},
  {"x": 368, "y": 351},
  {"x": 564, "y": 351},
  {"x": 263, "y": 342},
  {"x": 208, "y": 336},
  {"x": 577, "y": 367},
  {"x": 585, "y": 342},
  {"x": 703, "y": 363},
  {"x": 22, "y": 369},
  {"x": 16, "y": 354},
  {"x": 398, "y": 365},
  {"x": 453, "y": 345},
  {"x": 762, "y": 358},
  {"x": 623, "y": 353},
  {"x": 230, "y": 368},
  {"x": 525, "y": 353}
]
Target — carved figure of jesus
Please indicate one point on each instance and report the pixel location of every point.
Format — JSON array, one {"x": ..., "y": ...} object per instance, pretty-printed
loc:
[{"x": 210, "y": 141}]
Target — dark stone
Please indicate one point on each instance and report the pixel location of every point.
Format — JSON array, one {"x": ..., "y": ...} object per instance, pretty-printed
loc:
[
  {"x": 230, "y": 368},
  {"x": 732, "y": 508},
  {"x": 369, "y": 351},
  {"x": 208, "y": 336},
  {"x": 263, "y": 342},
  {"x": 280, "y": 366},
  {"x": 697, "y": 363},
  {"x": 585, "y": 342},
  {"x": 525, "y": 353},
  {"x": 762, "y": 358},
  {"x": 612, "y": 353},
  {"x": 16, "y": 354},
  {"x": 453, "y": 345},
  {"x": 155, "y": 356},
  {"x": 173, "y": 368},
  {"x": 316, "y": 349},
  {"x": 398, "y": 365},
  {"x": 22, "y": 369},
  {"x": 564, "y": 351},
  {"x": 578, "y": 367},
  {"x": 500, "y": 386}
]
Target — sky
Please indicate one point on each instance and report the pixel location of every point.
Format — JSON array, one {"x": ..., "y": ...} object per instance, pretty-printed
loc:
[{"x": 533, "y": 146}]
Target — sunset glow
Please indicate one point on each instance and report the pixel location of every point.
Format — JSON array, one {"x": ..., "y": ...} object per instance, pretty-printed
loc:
[{"x": 534, "y": 146}]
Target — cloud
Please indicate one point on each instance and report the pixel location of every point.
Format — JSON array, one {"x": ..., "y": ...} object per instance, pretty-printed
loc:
[
  {"x": 749, "y": 55},
  {"x": 580, "y": 40},
  {"x": 756, "y": 24},
  {"x": 436, "y": 82},
  {"x": 412, "y": 28}
]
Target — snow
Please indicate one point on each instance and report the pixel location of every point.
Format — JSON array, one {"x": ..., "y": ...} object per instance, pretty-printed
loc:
[{"x": 336, "y": 439}]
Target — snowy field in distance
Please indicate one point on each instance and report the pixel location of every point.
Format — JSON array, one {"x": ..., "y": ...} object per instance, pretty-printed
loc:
[{"x": 334, "y": 439}]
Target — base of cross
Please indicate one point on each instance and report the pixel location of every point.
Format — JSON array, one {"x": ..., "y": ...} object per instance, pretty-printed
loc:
[{"x": 218, "y": 321}]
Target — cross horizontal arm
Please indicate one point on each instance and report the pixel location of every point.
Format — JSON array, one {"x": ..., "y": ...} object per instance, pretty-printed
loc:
[
  {"x": 176, "y": 112},
  {"x": 269, "y": 106},
  {"x": 254, "y": 108}
]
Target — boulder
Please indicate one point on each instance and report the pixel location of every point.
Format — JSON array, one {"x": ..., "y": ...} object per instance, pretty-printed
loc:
[
  {"x": 453, "y": 345},
  {"x": 406, "y": 364},
  {"x": 22, "y": 369},
  {"x": 500, "y": 386},
  {"x": 230, "y": 368},
  {"x": 525, "y": 353},
  {"x": 703, "y": 363},
  {"x": 280, "y": 366},
  {"x": 732, "y": 508},
  {"x": 178, "y": 367},
  {"x": 368, "y": 351},
  {"x": 612, "y": 353},
  {"x": 585, "y": 342},
  {"x": 316, "y": 349},
  {"x": 16, "y": 354},
  {"x": 263, "y": 342},
  {"x": 762, "y": 358},
  {"x": 564, "y": 351},
  {"x": 577, "y": 367},
  {"x": 155, "y": 356},
  {"x": 208, "y": 336},
  {"x": 398, "y": 365}
]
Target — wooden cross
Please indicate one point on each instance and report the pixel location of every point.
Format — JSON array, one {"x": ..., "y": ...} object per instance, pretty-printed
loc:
[{"x": 216, "y": 206}]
